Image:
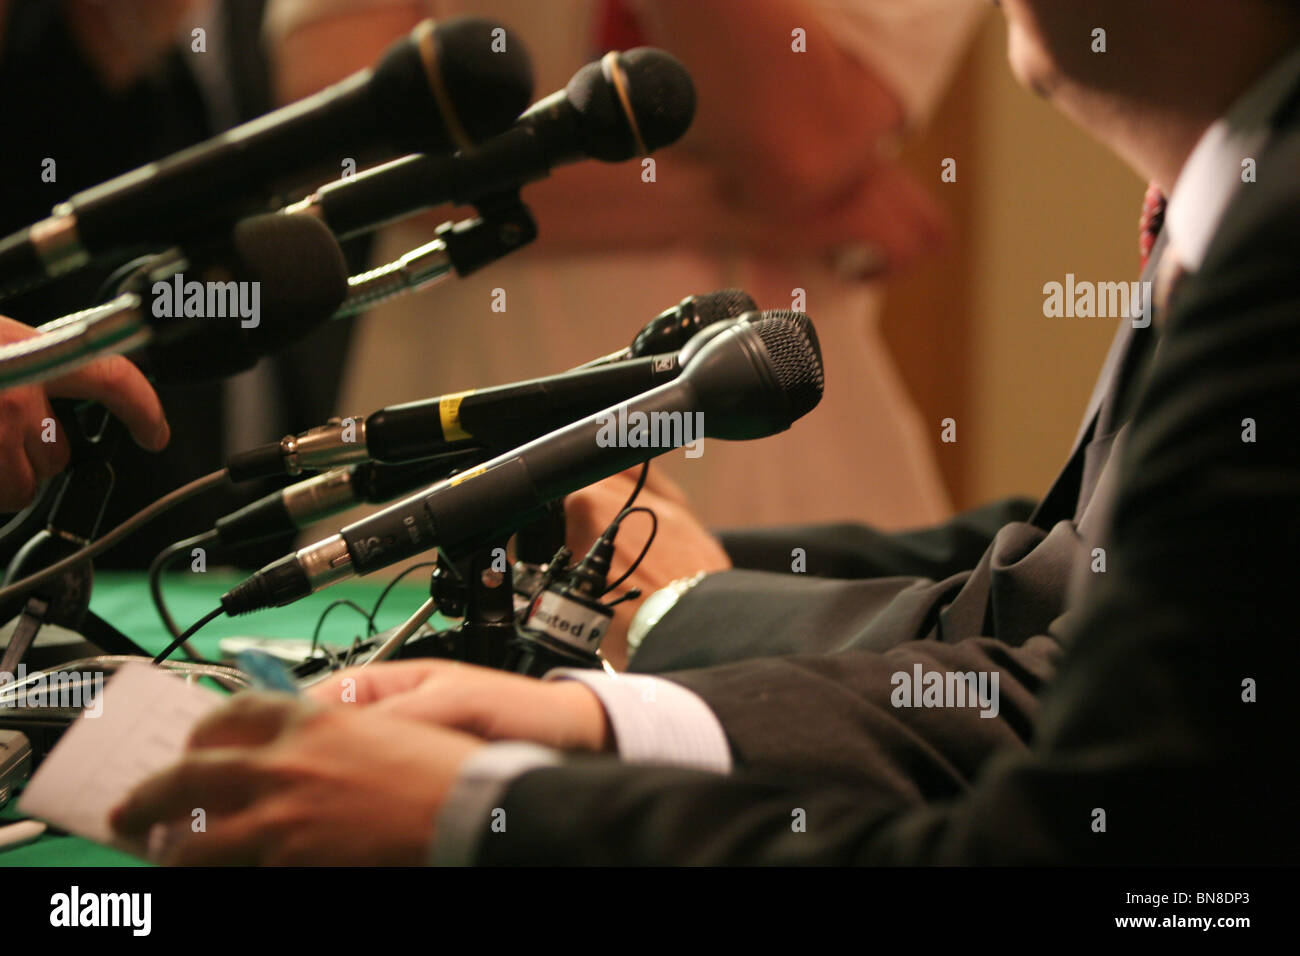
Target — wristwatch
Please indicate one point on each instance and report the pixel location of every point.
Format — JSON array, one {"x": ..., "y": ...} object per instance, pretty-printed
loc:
[{"x": 654, "y": 608}]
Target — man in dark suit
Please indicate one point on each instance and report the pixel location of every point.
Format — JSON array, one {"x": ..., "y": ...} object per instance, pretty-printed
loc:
[{"x": 1118, "y": 641}]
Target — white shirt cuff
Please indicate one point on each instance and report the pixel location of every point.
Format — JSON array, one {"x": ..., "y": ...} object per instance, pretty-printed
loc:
[
  {"x": 655, "y": 720},
  {"x": 467, "y": 816}
]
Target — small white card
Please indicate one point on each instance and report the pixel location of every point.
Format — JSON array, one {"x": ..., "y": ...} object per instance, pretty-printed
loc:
[{"x": 145, "y": 720}]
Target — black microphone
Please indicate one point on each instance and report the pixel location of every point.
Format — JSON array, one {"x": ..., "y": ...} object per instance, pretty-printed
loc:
[
  {"x": 751, "y": 380},
  {"x": 499, "y": 418},
  {"x": 202, "y": 312},
  {"x": 672, "y": 328},
  {"x": 624, "y": 105},
  {"x": 305, "y": 502},
  {"x": 300, "y": 278},
  {"x": 440, "y": 89}
]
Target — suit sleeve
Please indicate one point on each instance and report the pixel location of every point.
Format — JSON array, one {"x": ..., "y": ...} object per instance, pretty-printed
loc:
[
  {"x": 857, "y": 551},
  {"x": 1168, "y": 734},
  {"x": 855, "y": 587}
]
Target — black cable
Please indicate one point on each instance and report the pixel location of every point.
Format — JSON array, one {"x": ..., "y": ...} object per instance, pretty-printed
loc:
[
  {"x": 640, "y": 483},
  {"x": 614, "y": 528},
  {"x": 102, "y": 544},
  {"x": 342, "y": 602},
  {"x": 162, "y": 560},
  {"x": 374, "y": 612},
  {"x": 347, "y": 661},
  {"x": 188, "y": 633}
]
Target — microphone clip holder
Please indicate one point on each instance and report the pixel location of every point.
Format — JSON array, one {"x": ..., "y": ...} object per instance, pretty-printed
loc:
[
  {"x": 477, "y": 591},
  {"x": 503, "y": 225}
]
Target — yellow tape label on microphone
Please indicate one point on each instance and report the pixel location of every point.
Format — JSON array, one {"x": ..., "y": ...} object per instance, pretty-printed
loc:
[
  {"x": 466, "y": 475},
  {"x": 449, "y": 414}
]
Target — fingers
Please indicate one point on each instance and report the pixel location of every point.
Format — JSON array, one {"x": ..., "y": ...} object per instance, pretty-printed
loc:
[
  {"x": 32, "y": 446},
  {"x": 368, "y": 685},
  {"x": 46, "y": 447},
  {"x": 248, "y": 720},
  {"x": 432, "y": 708},
  {"x": 125, "y": 391},
  {"x": 214, "y": 781},
  {"x": 236, "y": 840}
]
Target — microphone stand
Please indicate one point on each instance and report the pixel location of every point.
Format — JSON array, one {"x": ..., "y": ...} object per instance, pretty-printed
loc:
[
  {"x": 479, "y": 588},
  {"x": 475, "y": 588},
  {"x": 503, "y": 224}
]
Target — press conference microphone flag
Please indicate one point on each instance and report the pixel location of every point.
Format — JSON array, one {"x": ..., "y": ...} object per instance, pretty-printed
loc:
[
  {"x": 749, "y": 381},
  {"x": 622, "y": 106},
  {"x": 442, "y": 88}
]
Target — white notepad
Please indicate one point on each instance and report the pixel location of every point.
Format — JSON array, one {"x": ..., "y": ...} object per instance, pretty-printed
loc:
[{"x": 146, "y": 719}]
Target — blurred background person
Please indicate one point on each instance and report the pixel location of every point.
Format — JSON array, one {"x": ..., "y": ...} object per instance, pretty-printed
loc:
[
  {"x": 90, "y": 89},
  {"x": 787, "y": 186}
]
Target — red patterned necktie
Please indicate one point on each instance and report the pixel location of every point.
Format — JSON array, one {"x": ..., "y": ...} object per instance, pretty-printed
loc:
[{"x": 1153, "y": 219}]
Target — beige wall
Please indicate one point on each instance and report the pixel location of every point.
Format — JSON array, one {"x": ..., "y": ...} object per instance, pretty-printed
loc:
[{"x": 1047, "y": 201}]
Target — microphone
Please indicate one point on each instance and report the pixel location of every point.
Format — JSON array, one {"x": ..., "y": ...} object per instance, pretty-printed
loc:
[
  {"x": 300, "y": 277},
  {"x": 621, "y": 106},
  {"x": 439, "y": 89},
  {"x": 673, "y": 328},
  {"x": 275, "y": 279},
  {"x": 751, "y": 380},
  {"x": 313, "y": 499},
  {"x": 499, "y": 417}
]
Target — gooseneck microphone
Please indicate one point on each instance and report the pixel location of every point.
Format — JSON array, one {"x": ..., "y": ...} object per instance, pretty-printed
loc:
[
  {"x": 622, "y": 106},
  {"x": 194, "y": 317},
  {"x": 751, "y": 380},
  {"x": 440, "y": 89}
]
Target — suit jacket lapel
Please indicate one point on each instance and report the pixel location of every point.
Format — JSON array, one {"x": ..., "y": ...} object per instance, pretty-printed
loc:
[{"x": 1066, "y": 497}]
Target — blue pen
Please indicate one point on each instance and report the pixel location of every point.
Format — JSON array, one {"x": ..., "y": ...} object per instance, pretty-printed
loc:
[{"x": 267, "y": 671}]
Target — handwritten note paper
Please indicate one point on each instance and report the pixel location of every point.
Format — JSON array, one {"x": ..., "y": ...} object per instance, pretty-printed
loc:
[{"x": 146, "y": 718}]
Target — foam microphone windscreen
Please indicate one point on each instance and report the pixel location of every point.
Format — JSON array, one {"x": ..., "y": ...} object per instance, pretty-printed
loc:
[
  {"x": 480, "y": 74},
  {"x": 301, "y": 269},
  {"x": 661, "y": 95},
  {"x": 278, "y": 278}
]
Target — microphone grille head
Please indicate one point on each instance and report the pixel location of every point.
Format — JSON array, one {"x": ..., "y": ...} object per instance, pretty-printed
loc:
[
  {"x": 796, "y": 357},
  {"x": 298, "y": 264},
  {"x": 453, "y": 84},
  {"x": 487, "y": 73},
  {"x": 723, "y": 304},
  {"x": 659, "y": 91},
  {"x": 286, "y": 271},
  {"x": 662, "y": 95}
]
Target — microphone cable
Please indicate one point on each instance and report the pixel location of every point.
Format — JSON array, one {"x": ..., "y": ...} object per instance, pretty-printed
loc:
[
  {"x": 100, "y": 545},
  {"x": 189, "y": 632},
  {"x": 161, "y": 562}
]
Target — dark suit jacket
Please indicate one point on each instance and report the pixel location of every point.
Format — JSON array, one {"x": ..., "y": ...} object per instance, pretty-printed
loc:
[{"x": 1146, "y": 712}]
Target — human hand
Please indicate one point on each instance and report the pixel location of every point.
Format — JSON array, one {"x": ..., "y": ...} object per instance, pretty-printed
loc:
[
  {"x": 683, "y": 546},
  {"x": 282, "y": 781},
  {"x": 491, "y": 704},
  {"x": 32, "y": 445}
]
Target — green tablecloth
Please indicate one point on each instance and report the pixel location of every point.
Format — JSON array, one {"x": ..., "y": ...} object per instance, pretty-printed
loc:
[{"x": 123, "y": 600}]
